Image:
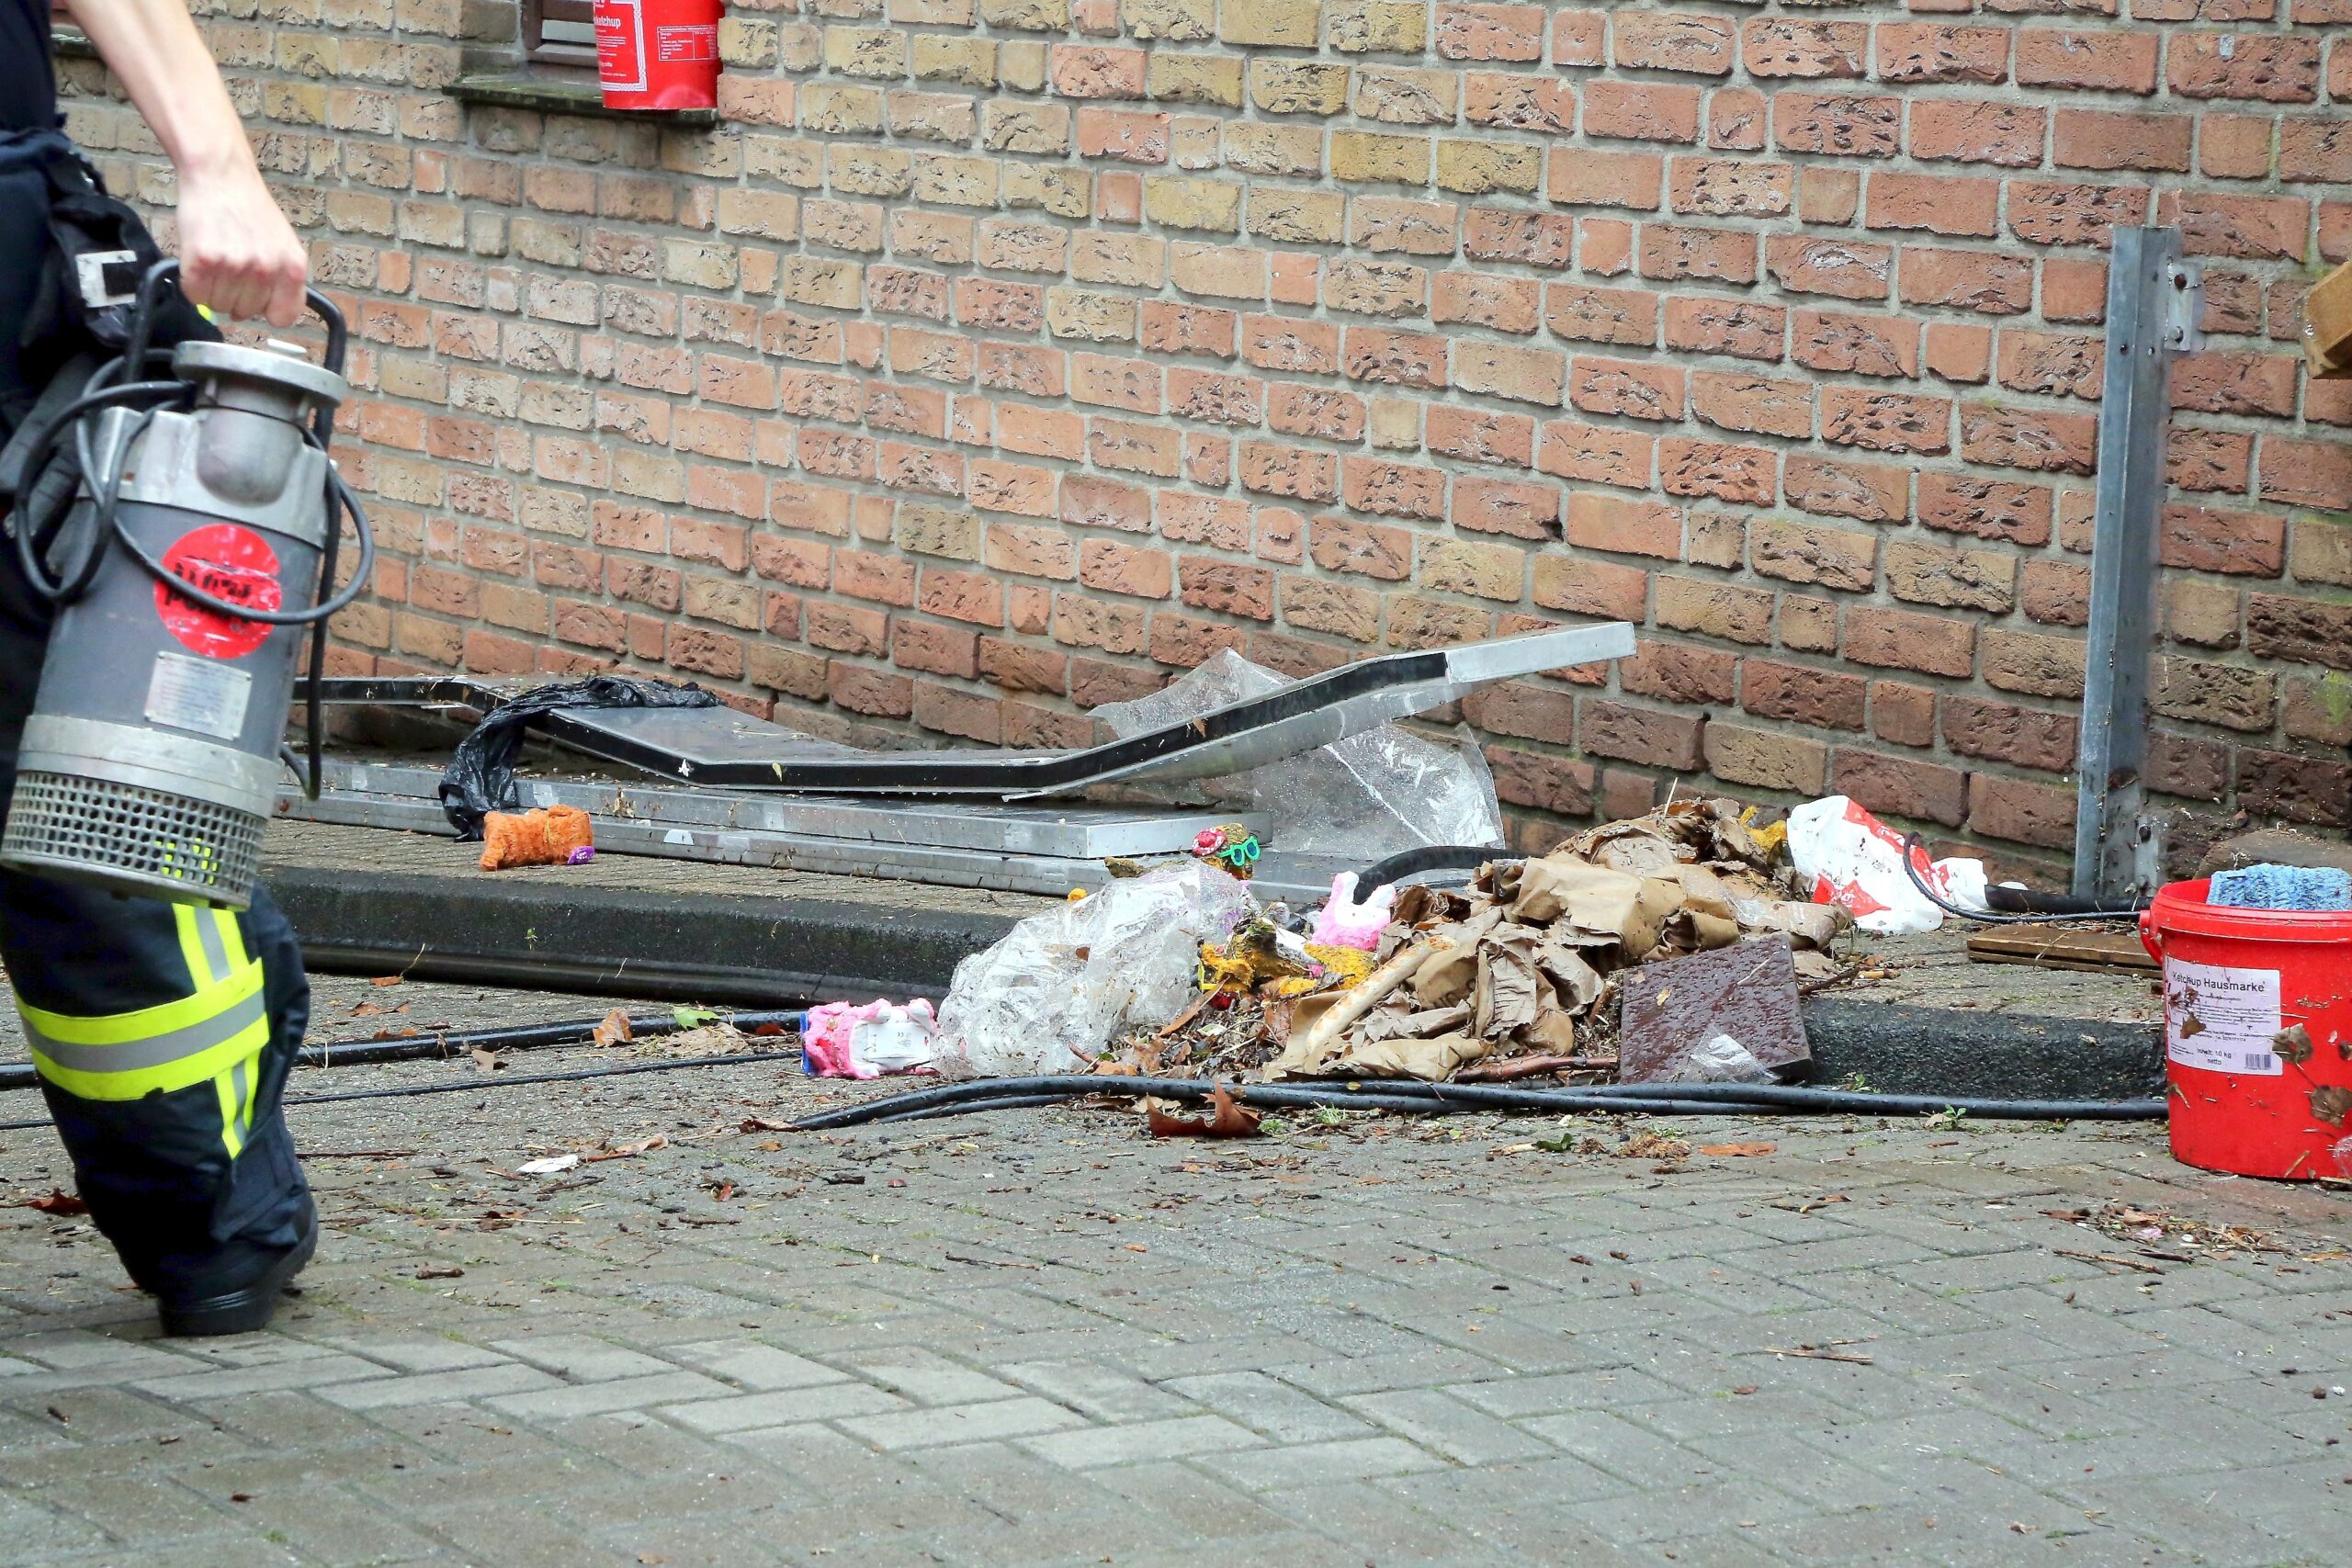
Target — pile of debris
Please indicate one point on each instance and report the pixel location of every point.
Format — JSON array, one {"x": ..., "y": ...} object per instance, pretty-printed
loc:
[{"x": 1506, "y": 978}]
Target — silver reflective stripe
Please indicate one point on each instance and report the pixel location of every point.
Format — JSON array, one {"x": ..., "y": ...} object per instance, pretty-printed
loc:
[
  {"x": 216, "y": 953},
  {"x": 156, "y": 1050},
  {"x": 237, "y": 1088}
]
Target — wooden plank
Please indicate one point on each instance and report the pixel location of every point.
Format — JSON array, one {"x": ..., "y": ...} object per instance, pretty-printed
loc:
[{"x": 2055, "y": 947}]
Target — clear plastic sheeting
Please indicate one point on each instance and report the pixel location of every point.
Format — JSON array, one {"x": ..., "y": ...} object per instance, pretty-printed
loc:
[
  {"x": 1061, "y": 985},
  {"x": 1369, "y": 796},
  {"x": 1720, "y": 1059}
]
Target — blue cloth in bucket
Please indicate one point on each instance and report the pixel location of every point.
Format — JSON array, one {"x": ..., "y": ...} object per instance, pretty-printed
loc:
[{"x": 2309, "y": 888}]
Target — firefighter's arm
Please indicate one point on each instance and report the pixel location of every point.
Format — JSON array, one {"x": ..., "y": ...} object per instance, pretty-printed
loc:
[{"x": 237, "y": 254}]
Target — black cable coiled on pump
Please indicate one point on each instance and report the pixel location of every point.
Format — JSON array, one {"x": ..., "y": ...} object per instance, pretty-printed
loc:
[{"x": 104, "y": 527}]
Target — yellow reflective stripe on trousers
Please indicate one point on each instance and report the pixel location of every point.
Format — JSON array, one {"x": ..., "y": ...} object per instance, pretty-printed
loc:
[
  {"x": 125, "y": 1055},
  {"x": 232, "y": 1131},
  {"x": 201, "y": 971},
  {"x": 210, "y": 942}
]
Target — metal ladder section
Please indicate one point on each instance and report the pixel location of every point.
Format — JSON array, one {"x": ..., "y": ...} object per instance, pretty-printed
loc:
[
  {"x": 718, "y": 748},
  {"x": 1030, "y": 847}
]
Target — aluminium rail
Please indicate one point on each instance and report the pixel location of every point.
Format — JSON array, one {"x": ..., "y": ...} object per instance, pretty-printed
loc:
[{"x": 719, "y": 748}]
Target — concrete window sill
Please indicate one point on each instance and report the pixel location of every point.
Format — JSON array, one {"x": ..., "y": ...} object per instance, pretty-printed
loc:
[{"x": 560, "y": 92}]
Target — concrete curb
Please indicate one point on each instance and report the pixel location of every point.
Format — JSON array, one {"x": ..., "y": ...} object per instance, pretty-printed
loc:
[
  {"x": 771, "y": 950},
  {"x": 701, "y": 946}
]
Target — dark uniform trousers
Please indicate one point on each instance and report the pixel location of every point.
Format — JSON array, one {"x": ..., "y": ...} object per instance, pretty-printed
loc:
[{"x": 163, "y": 1033}]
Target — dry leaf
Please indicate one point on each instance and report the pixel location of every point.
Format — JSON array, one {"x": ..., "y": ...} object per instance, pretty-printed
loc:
[
  {"x": 1737, "y": 1151},
  {"x": 643, "y": 1146},
  {"x": 1228, "y": 1118},
  {"x": 388, "y": 980},
  {"x": 486, "y": 1061},
  {"x": 614, "y": 1030},
  {"x": 59, "y": 1202}
]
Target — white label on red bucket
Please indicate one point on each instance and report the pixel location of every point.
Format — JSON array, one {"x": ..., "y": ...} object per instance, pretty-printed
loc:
[{"x": 2224, "y": 1020}]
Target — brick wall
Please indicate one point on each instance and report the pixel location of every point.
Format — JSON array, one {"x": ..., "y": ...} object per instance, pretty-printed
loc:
[{"x": 994, "y": 358}]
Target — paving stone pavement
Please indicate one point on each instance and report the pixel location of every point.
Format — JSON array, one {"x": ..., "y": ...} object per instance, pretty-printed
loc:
[{"x": 1043, "y": 1338}]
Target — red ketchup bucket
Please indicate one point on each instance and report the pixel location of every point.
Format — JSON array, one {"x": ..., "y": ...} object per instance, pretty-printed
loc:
[
  {"x": 657, "y": 54},
  {"x": 2257, "y": 1034}
]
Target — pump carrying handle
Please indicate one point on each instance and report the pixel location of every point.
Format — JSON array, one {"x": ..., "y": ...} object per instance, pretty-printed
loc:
[{"x": 167, "y": 271}]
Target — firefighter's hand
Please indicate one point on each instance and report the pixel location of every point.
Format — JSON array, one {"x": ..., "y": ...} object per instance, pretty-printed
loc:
[{"x": 237, "y": 254}]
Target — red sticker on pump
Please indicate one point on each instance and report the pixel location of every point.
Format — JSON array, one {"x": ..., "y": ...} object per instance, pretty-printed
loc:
[{"x": 230, "y": 563}]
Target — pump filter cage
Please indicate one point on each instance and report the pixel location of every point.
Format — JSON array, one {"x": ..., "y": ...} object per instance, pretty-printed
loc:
[{"x": 129, "y": 836}]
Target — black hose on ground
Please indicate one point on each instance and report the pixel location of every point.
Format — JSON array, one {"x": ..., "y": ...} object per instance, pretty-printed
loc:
[
  {"x": 1914, "y": 850},
  {"x": 527, "y": 1037},
  {"x": 432, "y": 1046},
  {"x": 502, "y": 1080},
  {"x": 1653, "y": 1099}
]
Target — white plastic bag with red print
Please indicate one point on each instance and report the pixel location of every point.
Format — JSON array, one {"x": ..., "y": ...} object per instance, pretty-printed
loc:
[{"x": 1847, "y": 857}]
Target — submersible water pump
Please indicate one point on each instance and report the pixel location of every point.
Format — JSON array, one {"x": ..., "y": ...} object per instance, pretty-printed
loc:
[{"x": 198, "y": 550}]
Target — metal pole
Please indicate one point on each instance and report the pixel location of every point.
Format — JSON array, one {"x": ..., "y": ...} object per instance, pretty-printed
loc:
[{"x": 2152, "y": 307}]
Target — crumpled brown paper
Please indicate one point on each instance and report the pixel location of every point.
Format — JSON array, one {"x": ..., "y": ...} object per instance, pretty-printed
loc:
[{"x": 1511, "y": 964}]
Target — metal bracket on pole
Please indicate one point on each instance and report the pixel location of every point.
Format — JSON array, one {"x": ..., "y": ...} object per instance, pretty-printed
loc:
[{"x": 2153, "y": 299}]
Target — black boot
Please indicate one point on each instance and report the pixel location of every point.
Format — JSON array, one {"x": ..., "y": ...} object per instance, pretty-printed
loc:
[{"x": 237, "y": 1291}]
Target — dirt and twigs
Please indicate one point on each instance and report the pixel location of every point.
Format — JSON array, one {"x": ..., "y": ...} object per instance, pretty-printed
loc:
[
  {"x": 2157, "y": 1237},
  {"x": 1521, "y": 974}
]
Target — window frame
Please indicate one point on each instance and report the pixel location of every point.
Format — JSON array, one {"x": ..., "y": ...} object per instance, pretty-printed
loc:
[{"x": 533, "y": 15}]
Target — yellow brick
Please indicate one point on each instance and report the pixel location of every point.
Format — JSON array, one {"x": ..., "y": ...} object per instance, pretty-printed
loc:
[
  {"x": 1021, "y": 66},
  {"x": 768, "y": 215},
  {"x": 702, "y": 266},
  {"x": 1257, "y": 147},
  {"x": 1188, "y": 21},
  {"x": 935, "y": 531},
  {"x": 1281, "y": 23},
  {"x": 1367, "y": 157},
  {"x": 1194, "y": 79},
  {"x": 799, "y": 47},
  {"x": 1065, "y": 193},
  {"x": 1396, "y": 424},
  {"x": 305, "y": 103},
  {"x": 1011, "y": 126},
  {"x": 869, "y": 171},
  {"x": 1027, "y": 16},
  {"x": 1095, "y": 318},
  {"x": 1378, "y": 26},
  {"x": 745, "y": 42},
  {"x": 814, "y": 280},
  {"x": 1458, "y": 566},
  {"x": 1193, "y": 141},
  {"x": 1182, "y": 203},
  {"x": 832, "y": 108},
  {"x": 1406, "y": 97},
  {"x": 800, "y": 164},
  {"x": 970, "y": 61},
  {"x": 1297, "y": 216},
  {"x": 1476, "y": 167},
  {"x": 867, "y": 51},
  {"x": 1297, "y": 86},
  {"x": 956, "y": 182}
]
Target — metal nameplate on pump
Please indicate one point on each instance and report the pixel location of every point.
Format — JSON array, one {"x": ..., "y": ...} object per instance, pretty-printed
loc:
[
  {"x": 200, "y": 695},
  {"x": 107, "y": 278}
]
